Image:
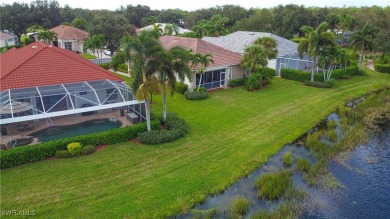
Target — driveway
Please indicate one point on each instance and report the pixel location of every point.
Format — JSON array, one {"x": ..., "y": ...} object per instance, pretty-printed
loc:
[{"x": 103, "y": 60}]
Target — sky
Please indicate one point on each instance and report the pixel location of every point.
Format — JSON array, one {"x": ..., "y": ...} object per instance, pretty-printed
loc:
[{"x": 198, "y": 4}]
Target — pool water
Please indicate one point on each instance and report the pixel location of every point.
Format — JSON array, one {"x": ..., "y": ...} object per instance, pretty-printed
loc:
[{"x": 58, "y": 132}]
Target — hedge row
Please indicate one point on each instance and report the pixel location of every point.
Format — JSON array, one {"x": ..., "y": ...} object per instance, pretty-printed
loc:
[
  {"x": 298, "y": 75},
  {"x": 26, "y": 154},
  {"x": 196, "y": 95},
  {"x": 105, "y": 65},
  {"x": 237, "y": 82},
  {"x": 176, "y": 128},
  {"x": 382, "y": 68}
]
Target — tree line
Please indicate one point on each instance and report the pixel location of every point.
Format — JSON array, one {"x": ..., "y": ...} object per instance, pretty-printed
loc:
[{"x": 282, "y": 20}]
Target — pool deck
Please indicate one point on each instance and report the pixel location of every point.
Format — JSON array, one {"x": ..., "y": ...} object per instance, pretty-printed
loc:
[{"x": 34, "y": 126}]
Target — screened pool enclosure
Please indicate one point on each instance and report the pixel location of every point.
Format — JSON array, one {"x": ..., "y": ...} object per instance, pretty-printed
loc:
[{"x": 44, "y": 102}]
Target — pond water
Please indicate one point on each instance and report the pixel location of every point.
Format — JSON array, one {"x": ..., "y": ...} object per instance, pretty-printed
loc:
[
  {"x": 58, "y": 132},
  {"x": 364, "y": 178}
]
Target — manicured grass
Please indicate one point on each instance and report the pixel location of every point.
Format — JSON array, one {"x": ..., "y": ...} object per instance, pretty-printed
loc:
[
  {"x": 88, "y": 56},
  {"x": 231, "y": 133}
]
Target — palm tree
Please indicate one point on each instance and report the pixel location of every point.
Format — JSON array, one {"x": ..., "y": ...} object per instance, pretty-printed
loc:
[
  {"x": 158, "y": 27},
  {"x": 363, "y": 39},
  {"x": 126, "y": 44},
  {"x": 171, "y": 29},
  {"x": 145, "y": 50},
  {"x": 204, "y": 61},
  {"x": 174, "y": 64},
  {"x": 47, "y": 36},
  {"x": 269, "y": 44},
  {"x": 314, "y": 42},
  {"x": 255, "y": 58}
]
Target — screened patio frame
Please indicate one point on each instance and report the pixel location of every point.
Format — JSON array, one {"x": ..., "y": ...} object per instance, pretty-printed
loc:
[{"x": 66, "y": 99}]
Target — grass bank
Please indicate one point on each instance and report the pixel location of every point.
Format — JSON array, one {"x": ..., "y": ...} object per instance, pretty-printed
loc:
[{"x": 231, "y": 134}]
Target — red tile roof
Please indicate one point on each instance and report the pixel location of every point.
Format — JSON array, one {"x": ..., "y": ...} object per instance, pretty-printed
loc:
[
  {"x": 221, "y": 56},
  {"x": 40, "y": 64},
  {"x": 65, "y": 32}
]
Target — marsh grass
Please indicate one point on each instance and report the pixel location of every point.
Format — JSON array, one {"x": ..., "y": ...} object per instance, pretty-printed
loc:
[
  {"x": 303, "y": 165},
  {"x": 205, "y": 214},
  {"x": 239, "y": 207},
  {"x": 284, "y": 211},
  {"x": 273, "y": 185},
  {"x": 316, "y": 171},
  {"x": 332, "y": 124},
  {"x": 331, "y": 134},
  {"x": 287, "y": 159}
]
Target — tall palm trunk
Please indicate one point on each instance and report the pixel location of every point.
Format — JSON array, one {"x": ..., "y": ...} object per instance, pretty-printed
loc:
[
  {"x": 361, "y": 57},
  {"x": 200, "y": 81},
  {"x": 128, "y": 68},
  {"x": 147, "y": 104},
  {"x": 147, "y": 110},
  {"x": 314, "y": 66},
  {"x": 164, "y": 105}
]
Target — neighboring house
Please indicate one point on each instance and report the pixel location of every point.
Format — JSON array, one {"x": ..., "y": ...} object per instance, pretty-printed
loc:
[
  {"x": 33, "y": 36},
  {"x": 150, "y": 27},
  {"x": 50, "y": 82},
  {"x": 70, "y": 38},
  {"x": 7, "y": 39},
  {"x": 287, "y": 50},
  {"x": 226, "y": 64}
]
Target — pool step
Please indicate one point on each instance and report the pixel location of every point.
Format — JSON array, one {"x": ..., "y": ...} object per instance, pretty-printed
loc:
[{"x": 52, "y": 131}]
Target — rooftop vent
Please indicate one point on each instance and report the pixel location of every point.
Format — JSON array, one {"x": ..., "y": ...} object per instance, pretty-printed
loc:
[
  {"x": 34, "y": 47},
  {"x": 252, "y": 34}
]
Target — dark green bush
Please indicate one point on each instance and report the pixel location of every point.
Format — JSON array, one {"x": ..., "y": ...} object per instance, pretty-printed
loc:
[
  {"x": 176, "y": 128},
  {"x": 89, "y": 149},
  {"x": 26, "y": 154},
  {"x": 298, "y": 75},
  {"x": 63, "y": 154},
  {"x": 253, "y": 82},
  {"x": 383, "y": 68},
  {"x": 268, "y": 72},
  {"x": 105, "y": 65},
  {"x": 317, "y": 84},
  {"x": 181, "y": 88},
  {"x": 196, "y": 95},
  {"x": 122, "y": 67},
  {"x": 237, "y": 82}
]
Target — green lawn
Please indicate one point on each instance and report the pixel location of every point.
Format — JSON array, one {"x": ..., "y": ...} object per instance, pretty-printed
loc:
[
  {"x": 231, "y": 134},
  {"x": 88, "y": 56}
]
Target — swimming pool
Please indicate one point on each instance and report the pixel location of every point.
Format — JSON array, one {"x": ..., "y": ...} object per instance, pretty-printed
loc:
[{"x": 58, "y": 132}]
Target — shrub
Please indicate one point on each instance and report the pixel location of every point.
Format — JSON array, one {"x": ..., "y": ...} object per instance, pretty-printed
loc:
[
  {"x": 239, "y": 207},
  {"x": 122, "y": 67},
  {"x": 89, "y": 149},
  {"x": 194, "y": 95},
  {"x": 317, "y": 84},
  {"x": 105, "y": 65},
  {"x": 27, "y": 154},
  {"x": 273, "y": 185},
  {"x": 298, "y": 75},
  {"x": 74, "y": 148},
  {"x": 176, "y": 128},
  {"x": 303, "y": 164},
  {"x": 63, "y": 154},
  {"x": 382, "y": 68},
  {"x": 237, "y": 82},
  {"x": 268, "y": 73},
  {"x": 287, "y": 159},
  {"x": 253, "y": 82},
  {"x": 181, "y": 88}
]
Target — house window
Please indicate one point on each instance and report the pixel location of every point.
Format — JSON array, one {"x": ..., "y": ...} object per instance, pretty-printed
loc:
[
  {"x": 83, "y": 93},
  {"x": 10, "y": 40},
  {"x": 68, "y": 46}
]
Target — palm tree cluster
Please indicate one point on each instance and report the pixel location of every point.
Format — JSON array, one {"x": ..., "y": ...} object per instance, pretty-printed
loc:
[
  {"x": 155, "y": 69},
  {"x": 363, "y": 39},
  {"x": 96, "y": 44},
  {"x": 47, "y": 36}
]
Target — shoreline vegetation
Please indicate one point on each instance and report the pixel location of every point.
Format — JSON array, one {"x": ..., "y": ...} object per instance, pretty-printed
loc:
[{"x": 168, "y": 179}]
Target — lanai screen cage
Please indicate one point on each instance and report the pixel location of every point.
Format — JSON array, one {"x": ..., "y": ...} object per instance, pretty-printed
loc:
[
  {"x": 44, "y": 102},
  {"x": 293, "y": 61}
]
